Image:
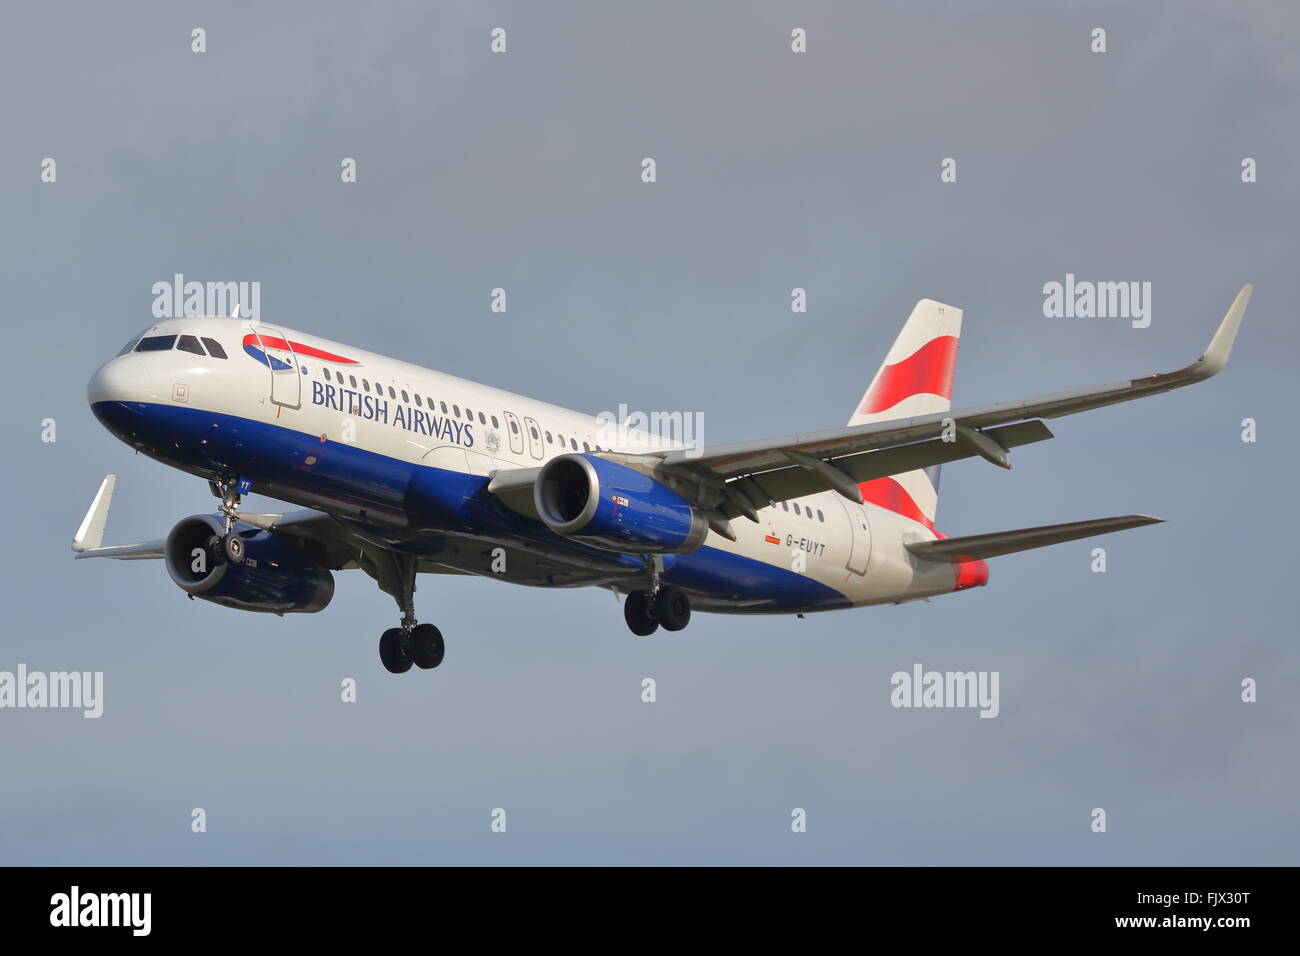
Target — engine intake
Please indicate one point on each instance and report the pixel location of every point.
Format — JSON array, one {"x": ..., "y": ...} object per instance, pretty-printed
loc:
[
  {"x": 273, "y": 577},
  {"x": 612, "y": 506}
]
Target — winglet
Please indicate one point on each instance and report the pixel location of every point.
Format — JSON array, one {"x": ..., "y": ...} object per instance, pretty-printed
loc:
[
  {"x": 1216, "y": 356},
  {"x": 91, "y": 533}
]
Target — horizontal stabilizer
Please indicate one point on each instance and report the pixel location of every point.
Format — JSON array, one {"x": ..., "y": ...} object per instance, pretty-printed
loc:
[{"x": 977, "y": 546}]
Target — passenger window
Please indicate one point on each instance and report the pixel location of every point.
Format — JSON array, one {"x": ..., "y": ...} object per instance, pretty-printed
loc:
[
  {"x": 494, "y": 422},
  {"x": 586, "y": 447},
  {"x": 393, "y": 394},
  {"x": 190, "y": 343},
  {"x": 156, "y": 343},
  {"x": 469, "y": 415},
  {"x": 456, "y": 409},
  {"x": 214, "y": 348},
  {"x": 548, "y": 439},
  {"x": 365, "y": 385},
  {"x": 821, "y": 517},
  {"x": 352, "y": 379},
  {"x": 796, "y": 508},
  {"x": 327, "y": 374},
  {"x": 785, "y": 506},
  {"x": 481, "y": 419},
  {"x": 418, "y": 403},
  {"x": 514, "y": 428},
  {"x": 533, "y": 431},
  {"x": 444, "y": 408},
  {"x": 573, "y": 444}
]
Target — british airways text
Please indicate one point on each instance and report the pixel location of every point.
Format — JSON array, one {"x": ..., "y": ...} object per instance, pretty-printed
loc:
[{"x": 396, "y": 414}]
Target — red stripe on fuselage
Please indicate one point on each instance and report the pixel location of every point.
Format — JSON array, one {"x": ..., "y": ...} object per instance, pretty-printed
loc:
[
  {"x": 928, "y": 370},
  {"x": 297, "y": 348}
]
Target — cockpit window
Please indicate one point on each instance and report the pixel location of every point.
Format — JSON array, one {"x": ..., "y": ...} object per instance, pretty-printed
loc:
[
  {"x": 156, "y": 343},
  {"x": 190, "y": 343},
  {"x": 214, "y": 348},
  {"x": 129, "y": 345}
]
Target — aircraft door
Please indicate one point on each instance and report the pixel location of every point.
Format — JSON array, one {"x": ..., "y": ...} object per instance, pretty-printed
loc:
[
  {"x": 286, "y": 378},
  {"x": 860, "y": 536},
  {"x": 535, "y": 446},
  {"x": 516, "y": 433}
]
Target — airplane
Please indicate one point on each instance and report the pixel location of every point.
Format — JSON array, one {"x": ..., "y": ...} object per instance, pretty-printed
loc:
[{"x": 399, "y": 470}]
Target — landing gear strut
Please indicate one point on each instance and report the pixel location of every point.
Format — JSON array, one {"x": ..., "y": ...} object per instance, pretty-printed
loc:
[
  {"x": 661, "y": 604},
  {"x": 410, "y": 643},
  {"x": 229, "y": 546}
]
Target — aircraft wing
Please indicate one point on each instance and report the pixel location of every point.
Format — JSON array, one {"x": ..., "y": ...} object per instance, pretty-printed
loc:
[
  {"x": 88, "y": 542},
  {"x": 749, "y": 475},
  {"x": 329, "y": 537}
]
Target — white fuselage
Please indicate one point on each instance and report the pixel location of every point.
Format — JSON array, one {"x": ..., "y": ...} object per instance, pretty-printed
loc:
[{"x": 402, "y": 416}]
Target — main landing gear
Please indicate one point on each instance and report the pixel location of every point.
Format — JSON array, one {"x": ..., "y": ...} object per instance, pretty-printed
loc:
[
  {"x": 410, "y": 643},
  {"x": 228, "y": 546},
  {"x": 662, "y": 604},
  {"x": 421, "y": 645}
]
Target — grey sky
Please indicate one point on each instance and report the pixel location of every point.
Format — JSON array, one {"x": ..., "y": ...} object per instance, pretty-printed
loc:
[{"x": 1118, "y": 690}]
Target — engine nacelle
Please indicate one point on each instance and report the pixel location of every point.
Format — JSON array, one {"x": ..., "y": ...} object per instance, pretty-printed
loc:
[
  {"x": 273, "y": 577},
  {"x": 615, "y": 507}
]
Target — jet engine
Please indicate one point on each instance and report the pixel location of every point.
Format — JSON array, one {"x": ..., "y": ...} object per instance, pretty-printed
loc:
[
  {"x": 274, "y": 576},
  {"x": 611, "y": 506}
]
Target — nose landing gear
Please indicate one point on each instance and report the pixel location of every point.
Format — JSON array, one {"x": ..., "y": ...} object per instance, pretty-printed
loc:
[{"x": 228, "y": 546}]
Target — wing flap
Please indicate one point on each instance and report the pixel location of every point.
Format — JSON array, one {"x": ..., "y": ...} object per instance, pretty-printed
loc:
[{"x": 796, "y": 482}]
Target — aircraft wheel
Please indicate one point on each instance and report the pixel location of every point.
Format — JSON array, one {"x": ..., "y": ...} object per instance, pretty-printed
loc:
[
  {"x": 232, "y": 546},
  {"x": 672, "y": 608},
  {"x": 639, "y": 614},
  {"x": 215, "y": 552},
  {"x": 393, "y": 651},
  {"x": 426, "y": 646}
]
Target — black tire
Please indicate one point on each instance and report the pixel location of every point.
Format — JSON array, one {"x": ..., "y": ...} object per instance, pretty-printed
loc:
[
  {"x": 639, "y": 614},
  {"x": 393, "y": 651},
  {"x": 427, "y": 647},
  {"x": 216, "y": 554},
  {"x": 672, "y": 608},
  {"x": 232, "y": 546}
]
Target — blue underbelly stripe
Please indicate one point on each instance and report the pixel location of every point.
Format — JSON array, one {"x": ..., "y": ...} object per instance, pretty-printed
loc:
[{"x": 275, "y": 458}]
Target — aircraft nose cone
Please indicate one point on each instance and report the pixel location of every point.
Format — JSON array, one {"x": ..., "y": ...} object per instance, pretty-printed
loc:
[{"x": 120, "y": 380}]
